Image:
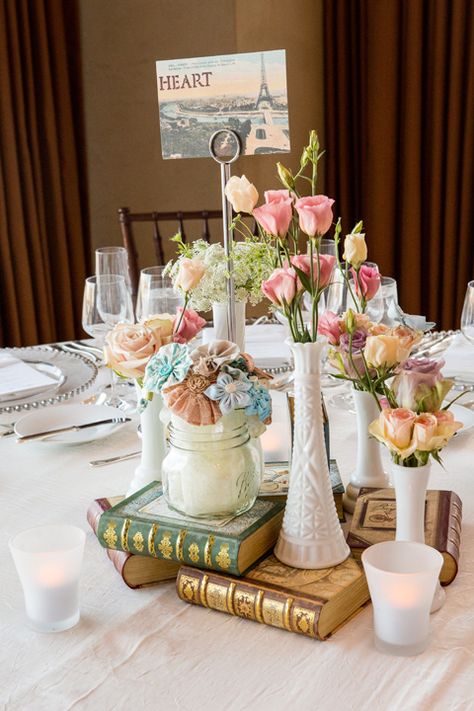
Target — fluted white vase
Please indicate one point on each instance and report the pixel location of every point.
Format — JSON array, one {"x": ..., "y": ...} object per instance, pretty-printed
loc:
[
  {"x": 369, "y": 469},
  {"x": 221, "y": 327},
  {"x": 311, "y": 535},
  {"x": 153, "y": 446},
  {"x": 410, "y": 485}
]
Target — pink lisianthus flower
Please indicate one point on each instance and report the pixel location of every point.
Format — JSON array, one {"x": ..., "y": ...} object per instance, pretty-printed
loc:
[
  {"x": 326, "y": 267},
  {"x": 187, "y": 325},
  {"x": 420, "y": 385},
  {"x": 272, "y": 196},
  {"x": 368, "y": 281},
  {"x": 329, "y": 325},
  {"x": 315, "y": 214},
  {"x": 280, "y": 287},
  {"x": 275, "y": 217}
]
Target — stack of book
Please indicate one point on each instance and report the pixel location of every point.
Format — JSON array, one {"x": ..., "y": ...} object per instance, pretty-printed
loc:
[{"x": 228, "y": 565}]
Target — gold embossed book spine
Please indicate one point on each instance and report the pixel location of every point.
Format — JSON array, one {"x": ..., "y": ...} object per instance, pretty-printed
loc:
[{"x": 249, "y": 601}]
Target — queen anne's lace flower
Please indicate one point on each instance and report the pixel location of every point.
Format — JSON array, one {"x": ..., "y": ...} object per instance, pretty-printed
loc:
[
  {"x": 170, "y": 365},
  {"x": 231, "y": 390}
]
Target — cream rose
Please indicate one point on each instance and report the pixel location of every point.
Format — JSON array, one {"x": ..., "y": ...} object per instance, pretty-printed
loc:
[
  {"x": 383, "y": 351},
  {"x": 190, "y": 273},
  {"x": 129, "y": 347},
  {"x": 355, "y": 249},
  {"x": 241, "y": 193}
]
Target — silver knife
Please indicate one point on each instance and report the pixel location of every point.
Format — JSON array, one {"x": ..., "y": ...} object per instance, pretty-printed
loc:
[{"x": 71, "y": 428}]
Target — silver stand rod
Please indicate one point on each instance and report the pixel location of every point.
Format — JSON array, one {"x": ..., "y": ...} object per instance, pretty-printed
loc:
[{"x": 226, "y": 223}]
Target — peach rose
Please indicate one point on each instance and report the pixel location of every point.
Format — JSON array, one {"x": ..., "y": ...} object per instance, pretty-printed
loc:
[
  {"x": 129, "y": 347},
  {"x": 447, "y": 425},
  {"x": 383, "y": 351},
  {"x": 394, "y": 428},
  {"x": 241, "y": 193},
  {"x": 190, "y": 273},
  {"x": 424, "y": 430},
  {"x": 408, "y": 338}
]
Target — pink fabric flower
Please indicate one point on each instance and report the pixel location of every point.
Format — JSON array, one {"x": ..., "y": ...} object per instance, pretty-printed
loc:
[
  {"x": 315, "y": 214},
  {"x": 369, "y": 278},
  {"x": 272, "y": 196},
  {"x": 275, "y": 217},
  {"x": 326, "y": 267},
  {"x": 280, "y": 287},
  {"x": 190, "y": 325},
  {"x": 329, "y": 326}
]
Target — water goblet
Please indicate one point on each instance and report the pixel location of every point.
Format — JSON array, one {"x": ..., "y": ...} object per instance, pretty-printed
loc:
[
  {"x": 113, "y": 260},
  {"x": 467, "y": 316},
  {"x": 156, "y": 294}
]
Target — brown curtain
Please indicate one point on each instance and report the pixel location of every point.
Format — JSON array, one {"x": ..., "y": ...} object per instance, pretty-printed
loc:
[
  {"x": 399, "y": 107},
  {"x": 43, "y": 234}
]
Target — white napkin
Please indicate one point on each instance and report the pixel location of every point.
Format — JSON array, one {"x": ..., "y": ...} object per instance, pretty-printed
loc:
[
  {"x": 19, "y": 378},
  {"x": 459, "y": 358}
]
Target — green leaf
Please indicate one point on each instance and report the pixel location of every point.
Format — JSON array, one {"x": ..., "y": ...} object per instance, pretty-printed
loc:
[{"x": 304, "y": 279}]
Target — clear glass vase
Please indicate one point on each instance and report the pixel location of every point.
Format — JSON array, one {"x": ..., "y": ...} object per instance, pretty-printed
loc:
[{"x": 212, "y": 471}]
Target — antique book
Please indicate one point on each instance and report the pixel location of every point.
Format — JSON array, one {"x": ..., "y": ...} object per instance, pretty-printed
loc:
[
  {"x": 309, "y": 602},
  {"x": 136, "y": 571},
  {"x": 374, "y": 520},
  {"x": 143, "y": 524},
  {"x": 276, "y": 479}
]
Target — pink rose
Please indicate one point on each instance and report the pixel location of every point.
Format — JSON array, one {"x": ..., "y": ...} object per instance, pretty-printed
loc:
[
  {"x": 329, "y": 326},
  {"x": 424, "y": 429},
  {"x": 368, "y": 281},
  {"x": 326, "y": 267},
  {"x": 276, "y": 196},
  {"x": 190, "y": 273},
  {"x": 315, "y": 214},
  {"x": 129, "y": 347},
  {"x": 275, "y": 217},
  {"x": 189, "y": 325},
  {"x": 280, "y": 287}
]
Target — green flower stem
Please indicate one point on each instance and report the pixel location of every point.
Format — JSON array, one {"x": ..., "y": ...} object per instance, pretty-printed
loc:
[{"x": 186, "y": 301}]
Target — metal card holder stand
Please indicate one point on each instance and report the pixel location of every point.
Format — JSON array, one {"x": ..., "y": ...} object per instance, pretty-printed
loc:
[{"x": 225, "y": 147}]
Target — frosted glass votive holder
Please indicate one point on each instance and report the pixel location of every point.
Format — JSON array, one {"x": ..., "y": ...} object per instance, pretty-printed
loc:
[
  {"x": 402, "y": 578},
  {"x": 48, "y": 560}
]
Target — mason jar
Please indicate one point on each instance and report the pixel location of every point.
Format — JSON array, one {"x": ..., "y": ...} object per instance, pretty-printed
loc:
[{"x": 212, "y": 471}]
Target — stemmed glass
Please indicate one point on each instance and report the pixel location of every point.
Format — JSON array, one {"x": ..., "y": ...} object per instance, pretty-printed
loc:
[
  {"x": 156, "y": 294},
  {"x": 106, "y": 302},
  {"x": 467, "y": 316},
  {"x": 113, "y": 260}
]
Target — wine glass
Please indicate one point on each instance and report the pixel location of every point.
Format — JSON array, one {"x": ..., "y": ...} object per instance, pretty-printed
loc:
[
  {"x": 106, "y": 302},
  {"x": 467, "y": 316},
  {"x": 113, "y": 260},
  {"x": 388, "y": 286},
  {"x": 156, "y": 294}
]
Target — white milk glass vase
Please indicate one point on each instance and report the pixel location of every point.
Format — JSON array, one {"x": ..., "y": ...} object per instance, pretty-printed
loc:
[
  {"x": 311, "y": 536},
  {"x": 153, "y": 446},
  {"x": 212, "y": 471},
  {"x": 410, "y": 485},
  {"x": 369, "y": 469},
  {"x": 221, "y": 328}
]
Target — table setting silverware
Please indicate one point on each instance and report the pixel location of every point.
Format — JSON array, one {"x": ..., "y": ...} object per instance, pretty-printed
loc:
[
  {"x": 71, "y": 428},
  {"x": 113, "y": 460}
]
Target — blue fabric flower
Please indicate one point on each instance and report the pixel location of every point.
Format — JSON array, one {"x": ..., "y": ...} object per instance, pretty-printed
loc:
[
  {"x": 260, "y": 403},
  {"x": 231, "y": 390},
  {"x": 170, "y": 365}
]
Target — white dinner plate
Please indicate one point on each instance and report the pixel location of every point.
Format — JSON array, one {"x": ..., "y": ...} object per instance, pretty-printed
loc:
[
  {"x": 464, "y": 415},
  {"x": 67, "y": 415}
]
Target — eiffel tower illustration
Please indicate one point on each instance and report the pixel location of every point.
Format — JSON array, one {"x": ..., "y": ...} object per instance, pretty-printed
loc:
[{"x": 264, "y": 95}]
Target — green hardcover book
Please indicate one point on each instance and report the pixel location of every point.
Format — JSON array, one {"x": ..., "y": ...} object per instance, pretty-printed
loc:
[{"x": 143, "y": 524}]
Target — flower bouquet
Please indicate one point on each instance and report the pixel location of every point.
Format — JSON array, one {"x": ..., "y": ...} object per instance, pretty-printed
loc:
[
  {"x": 128, "y": 350},
  {"x": 218, "y": 406}
]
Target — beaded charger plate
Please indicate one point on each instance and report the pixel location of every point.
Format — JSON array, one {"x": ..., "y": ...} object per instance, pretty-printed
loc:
[{"x": 72, "y": 373}]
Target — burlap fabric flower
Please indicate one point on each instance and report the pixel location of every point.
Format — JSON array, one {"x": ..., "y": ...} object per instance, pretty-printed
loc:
[
  {"x": 187, "y": 400},
  {"x": 208, "y": 358}
]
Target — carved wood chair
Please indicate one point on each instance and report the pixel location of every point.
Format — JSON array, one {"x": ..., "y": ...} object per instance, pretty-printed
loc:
[{"x": 159, "y": 220}]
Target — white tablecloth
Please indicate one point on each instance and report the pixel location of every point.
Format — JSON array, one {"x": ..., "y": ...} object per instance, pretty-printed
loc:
[{"x": 145, "y": 649}]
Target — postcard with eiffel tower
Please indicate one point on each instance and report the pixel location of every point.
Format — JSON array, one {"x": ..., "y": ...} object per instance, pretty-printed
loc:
[{"x": 243, "y": 92}]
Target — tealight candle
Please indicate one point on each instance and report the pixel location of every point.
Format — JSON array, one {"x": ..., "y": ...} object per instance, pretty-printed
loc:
[
  {"x": 48, "y": 560},
  {"x": 402, "y": 578}
]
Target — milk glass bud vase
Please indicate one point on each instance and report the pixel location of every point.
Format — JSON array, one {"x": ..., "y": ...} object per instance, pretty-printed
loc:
[
  {"x": 221, "y": 328},
  {"x": 368, "y": 469},
  {"x": 410, "y": 485},
  {"x": 153, "y": 446},
  {"x": 311, "y": 536}
]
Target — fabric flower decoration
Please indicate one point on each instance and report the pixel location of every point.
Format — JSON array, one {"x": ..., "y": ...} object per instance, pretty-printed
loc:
[
  {"x": 209, "y": 357},
  {"x": 188, "y": 400},
  {"x": 170, "y": 365},
  {"x": 229, "y": 391},
  {"x": 260, "y": 404}
]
